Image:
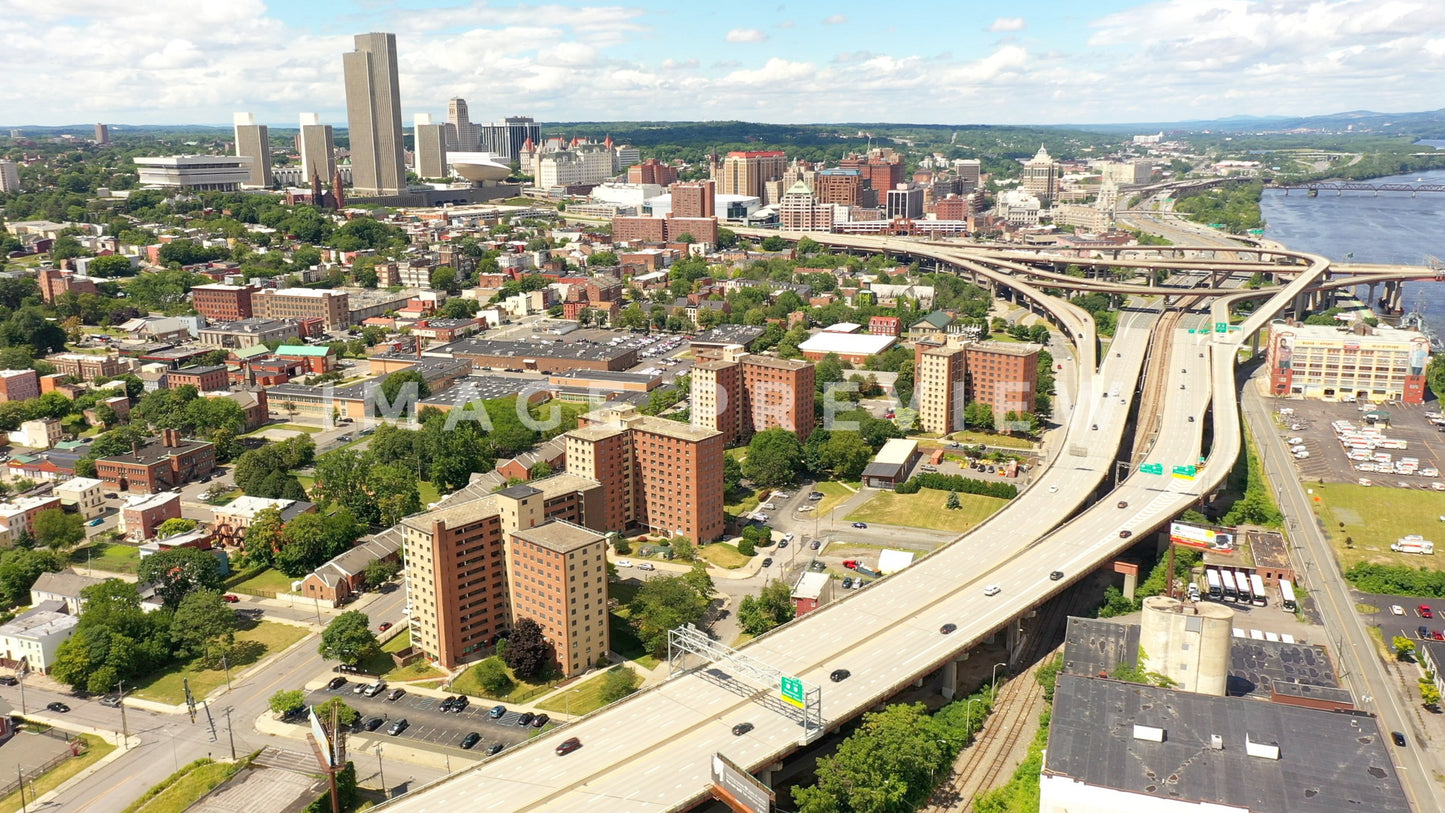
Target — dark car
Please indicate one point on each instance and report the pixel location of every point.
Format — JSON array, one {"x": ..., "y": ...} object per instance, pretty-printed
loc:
[
  {"x": 526, "y": 718},
  {"x": 373, "y": 724},
  {"x": 741, "y": 729},
  {"x": 58, "y": 707},
  {"x": 1123, "y": 504},
  {"x": 768, "y": 561},
  {"x": 860, "y": 525},
  {"x": 398, "y": 727},
  {"x": 1125, "y": 534},
  {"x": 1056, "y": 575},
  {"x": 396, "y": 694},
  {"x": 782, "y": 544},
  {"x": 446, "y": 704},
  {"x": 947, "y": 628},
  {"x": 1398, "y": 737},
  {"x": 1423, "y": 631},
  {"x": 568, "y": 746},
  {"x": 8, "y": 680},
  {"x": 496, "y": 712},
  {"x": 460, "y": 703},
  {"x": 815, "y": 544},
  {"x": 495, "y": 748},
  {"x": 470, "y": 740},
  {"x": 336, "y": 683},
  {"x": 540, "y": 720},
  {"x": 839, "y": 675}
]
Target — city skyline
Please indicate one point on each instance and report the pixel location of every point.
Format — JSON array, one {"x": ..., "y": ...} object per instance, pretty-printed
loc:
[{"x": 1042, "y": 62}]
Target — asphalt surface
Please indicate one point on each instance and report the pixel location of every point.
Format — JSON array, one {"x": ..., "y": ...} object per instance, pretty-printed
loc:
[{"x": 427, "y": 722}]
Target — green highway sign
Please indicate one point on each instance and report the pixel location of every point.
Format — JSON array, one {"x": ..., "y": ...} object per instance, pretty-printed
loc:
[
  {"x": 1221, "y": 327},
  {"x": 792, "y": 690},
  {"x": 1185, "y": 472},
  {"x": 1152, "y": 468}
]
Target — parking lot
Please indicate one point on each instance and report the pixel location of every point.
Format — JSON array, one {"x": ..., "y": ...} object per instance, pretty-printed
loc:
[
  {"x": 426, "y": 722},
  {"x": 1407, "y": 624},
  {"x": 1327, "y": 458}
]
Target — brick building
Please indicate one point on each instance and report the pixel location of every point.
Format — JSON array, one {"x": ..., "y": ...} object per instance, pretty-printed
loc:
[
  {"x": 741, "y": 394},
  {"x": 558, "y": 576},
  {"x": 222, "y": 303},
  {"x": 19, "y": 385},
  {"x": 54, "y": 282},
  {"x": 140, "y": 516},
  {"x": 331, "y": 307},
  {"x": 204, "y": 379},
  {"x": 885, "y": 325},
  {"x": 639, "y": 230},
  {"x": 652, "y": 171},
  {"x": 696, "y": 199},
  {"x": 940, "y": 386},
  {"x": 87, "y": 367},
  {"x": 1003, "y": 375},
  {"x": 159, "y": 464}
]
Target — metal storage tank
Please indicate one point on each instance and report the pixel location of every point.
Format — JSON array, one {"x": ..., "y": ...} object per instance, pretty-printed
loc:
[{"x": 1187, "y": 642}]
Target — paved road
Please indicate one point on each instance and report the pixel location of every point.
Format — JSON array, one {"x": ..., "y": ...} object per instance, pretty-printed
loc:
[{"x": 1356, "y": 658}]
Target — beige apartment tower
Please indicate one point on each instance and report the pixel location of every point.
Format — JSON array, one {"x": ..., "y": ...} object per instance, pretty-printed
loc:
[
  {"x": 254, "y": 141},
  {"x": 429, "y": 147},
  {"x": 317, "y": 147},
  {"x": 940, "y": 387},
  {"x": 373, "y": 115},
  {"x": 558, "y": 573}
]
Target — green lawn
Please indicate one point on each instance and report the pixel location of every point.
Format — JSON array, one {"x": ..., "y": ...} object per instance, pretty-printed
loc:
[
  {"x": 1003, "y": 441},
  {"x": 522, "y": 691},
  {"x": 925, "y": 510},
  {"x": 269, "y": 581},
  {"x": 290, "y": 427},
  {"x": 186, "y": 787},
  {"x": 1374, "y": 517},
  {"x": 624, "y": 641},
  {"x": 383, "y": 665},
  {"x": 723, "y": 555},
  {"x": 427, "y": 492},
  {"x": 747, "y": 502},
  {"x": 58, "y": 775},
  {"x": 110, "y": 556},
  {"x": 835, "y": 493},
  {"x": 252, "y": 644},
  {"x": 579, "y": 698}
]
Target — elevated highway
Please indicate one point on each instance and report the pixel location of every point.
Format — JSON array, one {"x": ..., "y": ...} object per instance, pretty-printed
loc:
[{"x": 651, "y": 752}]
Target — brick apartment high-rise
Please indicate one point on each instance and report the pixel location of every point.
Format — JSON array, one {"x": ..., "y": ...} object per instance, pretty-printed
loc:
[
  {"x": 558, "y": 577},
  {"x": 222, "y": 303},
  {"x": 694, "y": 199},
  {"x": 652, "y": 171},
  {"x": 1003, "y": 375},
  {"x": 658, "y": 474},
  {"x": 741, "y": 394}
]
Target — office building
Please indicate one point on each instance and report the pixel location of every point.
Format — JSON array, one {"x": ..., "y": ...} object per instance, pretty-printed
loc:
[
  {"x": 740, "y": 394},
  {"x": 158, "y": 464},
  {"x": 87, "y": 367},
  {"x": 222, "y": 303},
  {"x": 303, "y": 303},
  {"x": 657, "y": 474},
  {"x": 214, "y": 173},
  {"x": 102, "y": 134},
  {"x": 1041, "y": 176},
  {"x": 970, "y": 173},
  {"x": 749, "y": 172},
  {"x": 693, "y": 199},
  {"x": 373, "y": 115},
  {"x": 507, "y": 136},
  {"x": 317, "y": 147},
  {"x": 461, "y": 134},
  {"x": 558, "y": 577},
  {"x": 1127, "y": 173},
  {"x": 1003, "y": 375},
  {"x": 1018, "y": 207},
  {"x": 1364, "y": 364},
  {"x": 254, "y": 141},
  {"x": 457, "y": 562},
  {"x": 583, "y": 163},
  {"x": 246, "y": 333},
  {"x": 19, "y": 385},
  {"x": 9, "y": 176},
  {"x": 801, "y": 211},
  {"x": 904, "y": 203},
  {"x": 842, "y": 187},
  {"x": 939, "y": 386},
  {"x": 652, "y": 171},
  {"x": 429, "y": 146}
]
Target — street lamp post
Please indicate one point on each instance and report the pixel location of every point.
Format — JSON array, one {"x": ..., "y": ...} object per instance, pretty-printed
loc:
[
  {"x": 968, "y": 718},
  {"x": 993, "y": 684},
  {"x": 382, "y": 772}
]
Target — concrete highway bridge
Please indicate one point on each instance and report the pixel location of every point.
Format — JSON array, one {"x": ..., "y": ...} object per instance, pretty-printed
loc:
[{"x": 653, "y": 750}]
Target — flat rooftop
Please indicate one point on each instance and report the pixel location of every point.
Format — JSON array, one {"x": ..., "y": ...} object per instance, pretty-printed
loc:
[
  {"x": 850, "y": 344},
  {"x": 607, "y": 375},
  {"x": 539, "y": 349},
  {"x": 1257, "y": 667},
  {"x": 1094, "y": 646},
  {"x": 1326, "y": 761},
  {"x": 481, "y": 388},
  {"x": 1004, "y": 348},
  {"x": 155, "y": 451},
  {"x": 559, "y": 536},
  {"x": 729, "y": 334}
]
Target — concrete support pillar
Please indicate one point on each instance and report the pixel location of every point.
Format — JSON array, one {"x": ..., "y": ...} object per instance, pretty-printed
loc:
[
  {"x": 765, "y": 775},
  {"x": 918, "y": 684},
  {"x": 1013, "y": 635},
  {"x": 1254, "y": 343},
  {"x": 1372, "y": 300},
  {"x": 1131, "y": 582},
  {"x": 948, "y": 680},
  {"x": 1300, "y": 306},
  {"x": 1397, "y": 305}
]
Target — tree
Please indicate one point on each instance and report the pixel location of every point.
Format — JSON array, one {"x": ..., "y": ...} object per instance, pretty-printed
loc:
[
  {"x": 619, "y": 682},
  {"x": 444, "y": 278},
  {"x": 493, "y": 677},
  {"x": 772, "y": 607},
  {"x": 394, "y": 384},
  {"x": 349, "y": 639},
  {"x": 602, "y": 258},
  {"x": 113, "y": 265},
  {"x": 286, "y": 701},
  {"x": 953, "y": 504},
  {"x": 203, "y": 620},
  {"x": 263, "y": 538},
  {"x": 380, "y": 572},
  {"x": 775, "y": 457},
  {"x": 846, "y": 454},
  {"x": 746, "y": 547},
  {"x": 663, "y": 604},
  {"x": 59, "y": 529},
  {"x": 888, "y": 763},
  {"x": 345, "y": 715},
  {"x": 175, "y": 525},
  {"x": 529, "y": 653},
  {"x": 978, "y": 415},
  {"x": 19, "y": 568},
  {"x": 179, "y": 571},
  {"x": 1429, "y": 695},
  {"x": 1403, "y": 647}
]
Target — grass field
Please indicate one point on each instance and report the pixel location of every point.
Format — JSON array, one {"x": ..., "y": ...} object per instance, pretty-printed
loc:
[
  {"x": 383, "y": 665},
  {"x": 723, "y": 555},
  {"x": 252, "y": 644},
  {"x": 186, "y": 789},
  {"x": 746, "y": 505},
  {"x": 1374, "y": 517},
  {"x": 925, "y": 510},
  {"x": 836, "y": 494},
  {"x": 579, "y": 698},
  {"x": 290, "y": 427},
  {"x": 58, "y": 775},
  {"x": 1002, "y": 441},
  {"x": 522, "y": 691},
  {"x": 624, "y": 641},
  {"x": 110, "y": 556},
  {"x": 267, "y": 581}
]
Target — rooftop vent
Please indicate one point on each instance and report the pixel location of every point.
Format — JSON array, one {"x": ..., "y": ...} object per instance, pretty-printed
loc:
[
  {"x": 1216, "y": 742},
  {"x": 1260, "y": 749},
  {"x": 1148, "y": 732}
]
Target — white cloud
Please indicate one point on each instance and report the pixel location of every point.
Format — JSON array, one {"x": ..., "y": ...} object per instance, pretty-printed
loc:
[
  {"x": 836, "y": 19},
  {"x": 1008, "y": 24},
  {"x": 175, "y": 54},
  {"x": 746, "y": 35},
  {"x": 784, "y": 24}
]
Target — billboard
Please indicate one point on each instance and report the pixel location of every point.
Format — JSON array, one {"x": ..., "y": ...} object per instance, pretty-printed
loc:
[
  {"x": 737, "y": 788},
  {"x": 1205, "y": 537},
  {"x": 323, "y": 742}
]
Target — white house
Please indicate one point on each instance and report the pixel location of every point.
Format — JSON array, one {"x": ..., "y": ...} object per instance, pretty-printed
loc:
[{"x": 36, "y": 636}]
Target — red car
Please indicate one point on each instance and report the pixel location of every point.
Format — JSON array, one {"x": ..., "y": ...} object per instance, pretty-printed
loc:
[
  {"x": 385, "y": 625},
  {"x": 1425, "y": 611},
  {"x": 568, "y": 746},
  {"x": 1437, "y": 635},
  {"x": 230, "y": 598}
]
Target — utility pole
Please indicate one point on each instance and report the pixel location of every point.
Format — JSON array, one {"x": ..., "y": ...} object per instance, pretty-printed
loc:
[
  {"x": 124, "y": 727},
  {"x": 229, "y": 735},
  {"x": 21, "y": 777},
  {"x": 382, "y": 772},
  {"x": 317, "y": 599}
]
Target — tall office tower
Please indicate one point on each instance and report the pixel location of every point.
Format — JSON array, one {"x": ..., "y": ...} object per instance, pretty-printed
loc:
[
  {"x": 694, "y": 199},
  {"x": 939, "y": 386},
  {"x": 102, "y": 133},
  {"x": 373, "y": 116},
  {"x": 462, "y": 134},
  {"x": 747, "y": 173},
  {"x": 9, "y": 176},
  {"x": 506, "y": 137},
  {"x": 429, "y": 146},
  {"x": 906, "y": 201},
  {"x": 970, "y": 173},
  {"x": 1041, "y": 176},
  {"x": 254, "y": 141},
  {"x": 318, "y": 157}
]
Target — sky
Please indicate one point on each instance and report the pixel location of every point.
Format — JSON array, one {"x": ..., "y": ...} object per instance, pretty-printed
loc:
[{"x": 935, "y": 62}]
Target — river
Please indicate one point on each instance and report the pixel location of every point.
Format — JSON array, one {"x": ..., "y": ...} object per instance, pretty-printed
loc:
[{"x": 1392, "y": 227}]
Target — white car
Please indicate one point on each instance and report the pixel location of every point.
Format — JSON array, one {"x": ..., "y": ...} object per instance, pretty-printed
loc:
[
  {"x": 624, "y": 563},
  {"x": 806, "y": 508},
  {"x": 1052, "y": 489},
  {"x": 992, "y": 590},
  {"x": 646, "y": 566},
  {"x": 1396, "y": 609},
  {"x": 787, "y": 537},
  {"x": 782, "y": 495},
  {"x": 767, "y": 506}
]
